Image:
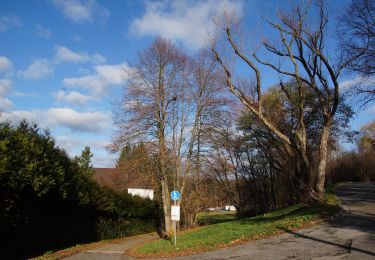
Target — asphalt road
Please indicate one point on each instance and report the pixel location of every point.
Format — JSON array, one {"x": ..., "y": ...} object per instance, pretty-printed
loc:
[{"x": 351, "y": 236}]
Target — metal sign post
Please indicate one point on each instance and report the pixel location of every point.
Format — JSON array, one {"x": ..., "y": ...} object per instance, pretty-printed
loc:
[
  {"x": 175, "y": 228},
  {"x": 175, "y": 213}
]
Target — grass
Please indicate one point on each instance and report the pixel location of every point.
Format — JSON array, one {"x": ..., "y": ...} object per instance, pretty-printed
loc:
[
  {"x": 223, "y": 230},
  {"x": 233, "y": 232},
  {"x": 214, "y": 217}
]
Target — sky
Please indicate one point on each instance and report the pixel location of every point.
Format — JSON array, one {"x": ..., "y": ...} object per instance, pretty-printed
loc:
[{"x": 62, "y": 62}]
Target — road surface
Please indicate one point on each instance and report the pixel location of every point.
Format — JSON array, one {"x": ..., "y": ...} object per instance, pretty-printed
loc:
[{"x": 351, "y": 236}]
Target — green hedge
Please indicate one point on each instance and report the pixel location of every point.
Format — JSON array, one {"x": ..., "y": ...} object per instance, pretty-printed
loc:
[
  {"x": 49, "y": 201},
  {"x": 114, "y": 228}
]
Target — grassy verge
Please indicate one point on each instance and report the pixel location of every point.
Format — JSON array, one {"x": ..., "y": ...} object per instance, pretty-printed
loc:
[{"x": 235, "y": 232}]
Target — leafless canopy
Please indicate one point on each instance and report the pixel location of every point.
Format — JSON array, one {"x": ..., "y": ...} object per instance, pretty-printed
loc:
[
  {"x": 152, "y": 86},
  {"x": 302, "y": 46},
  {"x": 358, "y": 47}
]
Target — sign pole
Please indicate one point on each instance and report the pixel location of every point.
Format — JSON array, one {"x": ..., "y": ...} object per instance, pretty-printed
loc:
[
  {"x": 175, "y": 229},
  {"x": 175, "y": 213}
]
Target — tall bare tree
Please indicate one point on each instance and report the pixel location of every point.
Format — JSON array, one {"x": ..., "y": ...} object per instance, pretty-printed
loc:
[
  {"x": 302, "y": 35},
  {"x": 167, "y": 97},
  {"x": 146, "y": 111}
]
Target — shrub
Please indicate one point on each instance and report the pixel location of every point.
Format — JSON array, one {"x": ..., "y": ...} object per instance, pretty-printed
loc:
[{"x": 49, "y": 201}]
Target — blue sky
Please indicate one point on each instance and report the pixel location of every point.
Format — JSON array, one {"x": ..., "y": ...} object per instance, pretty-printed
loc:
[{"x": 62, "y": 62}]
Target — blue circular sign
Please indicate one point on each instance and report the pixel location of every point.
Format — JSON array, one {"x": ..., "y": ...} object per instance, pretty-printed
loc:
[{"x": 175, "y": 195}]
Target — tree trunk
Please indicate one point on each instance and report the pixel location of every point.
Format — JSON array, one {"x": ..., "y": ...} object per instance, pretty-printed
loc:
[
  {"x": 322, "y": 161},
  {"x": 166, "y": 208},
  {"x": 302, "y": 183},
  {"x": 164, "y": 183}
]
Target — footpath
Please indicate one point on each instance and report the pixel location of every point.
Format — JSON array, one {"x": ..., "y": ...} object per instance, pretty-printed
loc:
[{"x": 113, "y": 250}]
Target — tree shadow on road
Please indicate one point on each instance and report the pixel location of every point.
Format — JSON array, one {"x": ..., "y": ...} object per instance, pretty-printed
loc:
[{"x": 347, "y": 246}]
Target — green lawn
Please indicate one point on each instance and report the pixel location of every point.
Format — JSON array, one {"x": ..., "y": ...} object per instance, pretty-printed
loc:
[
  {"x": 214, "y": 217},
  {"x": 233, "y": 232}
]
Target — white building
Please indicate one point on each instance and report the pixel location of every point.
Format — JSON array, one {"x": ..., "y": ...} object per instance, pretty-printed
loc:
[
  {"x": 144, "y": 193},
  {"x": 230, "y": 208}
]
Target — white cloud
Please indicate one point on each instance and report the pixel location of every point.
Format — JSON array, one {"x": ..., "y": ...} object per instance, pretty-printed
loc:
[
  {"x": 103, "y": 159},
  {"x": 105, "y": 76},
  {"x": 72, "y": 97},
  {"x": 349, "y": 83},
  {"x": 5, "y": 64},
  {"x": 67, "y": 55},
  {"x": 5, "y": 104},
  {"x": 16, "y": 116},
  {"x": 113, "y": 74},
  {"x": 70, "y": 143},
  {"x": 94, "y": 122},
  {"x": 184, "y": 21},
  {"x": 8, "y": 21},
  {"x": 41, "y": 68},
  {"x": 76, "y": 121},
  {"x": 79, "y": 11},
  {"x": 43, "y": 32},
  {"x": 5, "y": 89},
  {"x": 75, "y": 144},
  {"x": 37, "y": 70},
  {"x": 77, "y": 130},
  {"x": 357, "y": 81}
]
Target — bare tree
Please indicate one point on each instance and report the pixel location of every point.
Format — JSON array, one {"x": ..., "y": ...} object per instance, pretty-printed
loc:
[
  {"x": 302, "y": 44},
  {"x": 166, "y": 99},
  {"x": 201, "y": 102},
  {"x": 146, "y": 111},
  {"x": 357, "y": 30}
]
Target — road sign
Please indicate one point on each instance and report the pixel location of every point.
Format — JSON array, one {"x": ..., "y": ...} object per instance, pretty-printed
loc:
[
  {"x": 175, "y": 195},
  {"x": 175, "y": 213}
]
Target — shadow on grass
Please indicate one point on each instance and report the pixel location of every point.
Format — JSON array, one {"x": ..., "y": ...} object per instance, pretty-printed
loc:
[
  {"x": 322, "y": 210},
  {"x": 216, "y": 221},
  {"x": 216, "y": 218}
]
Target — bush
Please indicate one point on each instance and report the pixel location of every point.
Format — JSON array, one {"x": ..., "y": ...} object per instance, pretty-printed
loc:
[
  {"x": 49, "y": 201},
  {"x": 114, "y": 228}
]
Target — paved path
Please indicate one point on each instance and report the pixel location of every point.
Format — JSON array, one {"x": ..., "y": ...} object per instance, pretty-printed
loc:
[
  {"x": 349, "y": 237},
  {"x": 113, "y": 251}
]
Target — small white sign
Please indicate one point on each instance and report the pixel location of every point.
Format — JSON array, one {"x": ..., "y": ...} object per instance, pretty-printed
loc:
[{"x": 175, "y": 213}]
